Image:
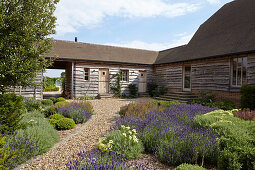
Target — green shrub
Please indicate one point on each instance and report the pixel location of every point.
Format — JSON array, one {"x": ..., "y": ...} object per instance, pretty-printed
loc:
[
  {"x": 248, "y": 97},
  {"x": 226, "y": 104},
  {"x": 65, "y": 124},
  {"x": 151, "y": 88},
  {"x": 50, "y": 111},
  {"x": 165, "y": 103},
  {"x": 40, "y": 131},
  {"x": 123, "y": 142},
  {"x": 56, "y": 116},
  {"x": 32, "y": 104},
  {"x": 236, "y": 138},
  {"x": 189, "y": 167},
  {"x": 53, "y": 99},
  {"x": 61, "y": 103},
  {"x": 51, "y": 89},
  {"x": 61, "y": 99},
  {"x": 133, "y": 89},
  {"x": 11, "y": 109},
  {"x": 47, "y": 102},
  {"x": 53, "y": 122}
]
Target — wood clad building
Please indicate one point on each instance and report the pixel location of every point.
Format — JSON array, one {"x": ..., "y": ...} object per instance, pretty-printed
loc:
[{"x": 220, "y": 57}]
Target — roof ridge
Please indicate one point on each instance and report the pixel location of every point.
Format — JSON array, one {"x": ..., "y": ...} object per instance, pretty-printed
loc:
[{"x": 73, "y": 42}]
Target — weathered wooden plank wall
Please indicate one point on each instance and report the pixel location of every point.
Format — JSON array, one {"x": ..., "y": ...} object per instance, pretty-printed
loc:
[
  {"x": 251, "y": 69},
  {"x": 90, "y": 88},
  {"x": 35, "y": 92},
  {"x": 211, "y": 74},
  {"x": 169, "y": 76}
]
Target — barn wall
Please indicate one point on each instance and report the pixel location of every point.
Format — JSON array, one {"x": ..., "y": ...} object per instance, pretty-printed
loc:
[
  {"x": 90, "y": 88},
  {"x": 251, "y": 69}
]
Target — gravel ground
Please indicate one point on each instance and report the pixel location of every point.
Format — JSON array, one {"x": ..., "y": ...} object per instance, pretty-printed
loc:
[{"x": 86, "y": 137}]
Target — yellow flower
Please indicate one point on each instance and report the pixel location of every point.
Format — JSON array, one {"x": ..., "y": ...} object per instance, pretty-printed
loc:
[{"x": 124, "y": 134}]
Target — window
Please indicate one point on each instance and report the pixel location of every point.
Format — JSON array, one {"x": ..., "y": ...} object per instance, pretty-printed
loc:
[
  {"x": 124, "y": 75},
  {"x": 86, "y": 74},
  {"x": 239, "y": 69}
]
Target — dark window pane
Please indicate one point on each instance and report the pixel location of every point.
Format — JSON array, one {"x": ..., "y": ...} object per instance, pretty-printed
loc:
[
  {"x": 234, "y": 73},
  {"x": 239, "y": 73}
]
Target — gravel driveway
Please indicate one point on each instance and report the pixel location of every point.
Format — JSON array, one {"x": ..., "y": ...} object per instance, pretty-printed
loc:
[{"x": 86, "y": 137}]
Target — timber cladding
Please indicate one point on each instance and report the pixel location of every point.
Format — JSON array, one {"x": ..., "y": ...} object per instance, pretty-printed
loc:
[{"x": 90, "y": 87}]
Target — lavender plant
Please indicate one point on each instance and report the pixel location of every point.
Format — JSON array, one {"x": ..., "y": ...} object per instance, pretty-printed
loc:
[
  {"x": 22, "y": 146},
  {"x": 80, "y": 112},
  {"x": 97, "y": 161},
  {"x": 173, "y": 136}
]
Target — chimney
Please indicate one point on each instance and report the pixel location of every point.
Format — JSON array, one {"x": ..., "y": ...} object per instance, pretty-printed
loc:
[{"x": 76, "y": 39}]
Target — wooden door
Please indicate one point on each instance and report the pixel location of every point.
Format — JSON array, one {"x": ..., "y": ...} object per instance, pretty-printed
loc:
[
  {"x": 103, "y": 81},
  {"x": 186, "y": 78},
  {"x": 142, "y": 82}
]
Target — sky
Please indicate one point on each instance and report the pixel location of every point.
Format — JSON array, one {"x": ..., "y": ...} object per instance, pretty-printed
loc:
[{"x": 143, "y": 24}]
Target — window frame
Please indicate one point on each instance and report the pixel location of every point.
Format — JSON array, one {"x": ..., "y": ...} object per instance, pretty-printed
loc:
[
  {"x": 238, "y": 84},
  {"x": 126, "y": 75},
  {"x": 87, "y": 74}
]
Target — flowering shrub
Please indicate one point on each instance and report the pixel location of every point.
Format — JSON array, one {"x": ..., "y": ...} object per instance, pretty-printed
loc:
[
  {"x": 80, "y": 112},
  {"x": 32, "y": 104},
  {"x": 140, "y": 109},
  {"x": 245, "y": 114},
  {"x": 172, "y": 135},
  {"x": 17, "y": 149},
  {"x": 236, "y": 138},
  {"x": 123, "y": 142},
  {"x": 98, "y": 160}
]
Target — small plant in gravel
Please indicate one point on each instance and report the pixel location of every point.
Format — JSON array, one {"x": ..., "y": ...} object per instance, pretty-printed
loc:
[
  {"x": 189, "y": 167},
  {"x": 123, "y": 141},
  {"x": 65, "y": 124},
  {"x": 80, "y": 112},
  {"x": 97, "y": 160}
]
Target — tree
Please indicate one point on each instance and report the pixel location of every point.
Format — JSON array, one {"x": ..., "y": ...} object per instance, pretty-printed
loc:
[{"x": 25, "y": 27}]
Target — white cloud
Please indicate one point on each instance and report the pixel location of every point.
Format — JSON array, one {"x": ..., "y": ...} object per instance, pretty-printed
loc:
[
  {"x": 154, "y": 46},
  {"x": 90, "y": 13},
  {"x": 213, "y": 1}
]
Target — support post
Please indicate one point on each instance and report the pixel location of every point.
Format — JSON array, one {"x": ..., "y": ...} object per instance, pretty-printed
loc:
[{"x": 72, "y": 85}]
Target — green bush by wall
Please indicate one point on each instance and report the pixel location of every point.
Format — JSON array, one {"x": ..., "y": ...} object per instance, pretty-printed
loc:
[{"x": 248, "y": 97}]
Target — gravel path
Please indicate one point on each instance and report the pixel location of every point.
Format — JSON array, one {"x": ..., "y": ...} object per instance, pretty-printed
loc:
[{"x": 86, "y": 137}]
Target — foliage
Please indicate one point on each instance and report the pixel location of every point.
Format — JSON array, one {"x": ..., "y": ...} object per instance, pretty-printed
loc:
[
  {"x": 32, "y": 104},
  {"x": 133, "y": 89},
  {"x": 97, "y": 160},
  {"x": 56, "y": 116},
  {"x": 86, "y": 98},
  {"x": 185, "y": 166},
  {"x": 61, "y": 103},
  {"x": 21, "y": 145},
  {"x": 123, "y": 141},
  {"x": 61, "y": 99},
  {"x": 236, "y": 138},
  {"x": 49, "y": 111},
  {"x": 65, "y": 124},
  {"x": 47, "y": 102},
  {"x": 39, "y": 130},
  {"x": 151, "y": 88},
  {"x": 248, "y": 97},
  {"x": 11, "y": 109},
  {"x": 139, "y": 109},
  {"x": 172, "y": 135},
  {"x": 53, "y": 99},
  {"x": 207, "y": 98},
  {"x": 116, "y": 86},
  {"x": 25, "y": 30},
  {"x": 165, "y": 103},
  {"x": 80, "y": 112},
  {"x": 51, "y": 89},
  {"x": 245, "y": 114},
  {"x": 53, "y": 122},
  {"x": 155, "y": 90},
  {"x": 6, "y": 155}
]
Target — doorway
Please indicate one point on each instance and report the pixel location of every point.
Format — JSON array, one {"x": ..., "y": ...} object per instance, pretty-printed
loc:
[
  {"x": 142, "y": 82},
  {"x": 103, "y": 81}
]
